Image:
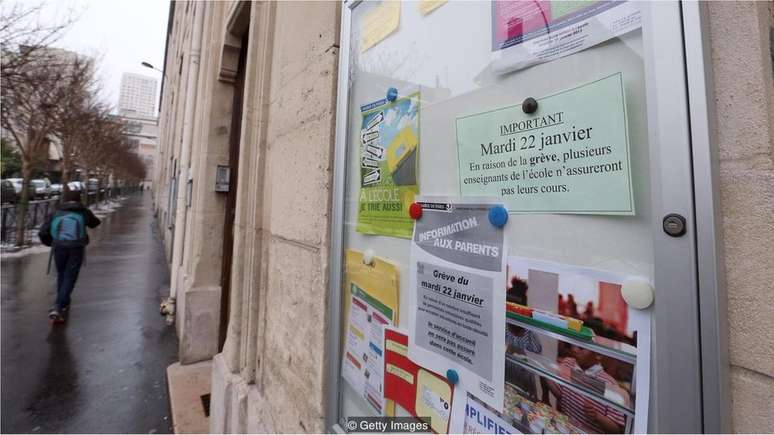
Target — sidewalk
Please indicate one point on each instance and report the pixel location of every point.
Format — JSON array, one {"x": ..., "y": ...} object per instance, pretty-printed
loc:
[{"x": 104, "y": 371}]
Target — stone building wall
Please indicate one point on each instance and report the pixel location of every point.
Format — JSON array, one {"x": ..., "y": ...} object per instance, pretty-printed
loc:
[
  {"x": 274, "y": 346},
  {"x": 741, "y": 46},
  {"x": 272, "y": 367}
]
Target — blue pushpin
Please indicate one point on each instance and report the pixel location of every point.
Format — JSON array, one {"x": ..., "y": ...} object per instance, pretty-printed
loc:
[
  {"x": 452, "y": 376},
  {"x": 392, "y": 94},
  {"x": 498, "y": 216}
]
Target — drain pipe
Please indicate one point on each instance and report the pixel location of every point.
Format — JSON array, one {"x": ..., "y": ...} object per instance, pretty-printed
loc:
[{"x": 192, "y": 87}]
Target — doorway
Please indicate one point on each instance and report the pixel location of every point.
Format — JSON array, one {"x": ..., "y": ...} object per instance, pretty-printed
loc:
[{"x": 231, "y": 197}]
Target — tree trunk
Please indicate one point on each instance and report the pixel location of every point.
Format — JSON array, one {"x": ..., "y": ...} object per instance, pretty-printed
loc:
[
  {"x": 69, "y": 143},
  {"x": 65, "y": 167},
  {"x": 21, "y": 208},
  {"x": 85, "y": 181}
]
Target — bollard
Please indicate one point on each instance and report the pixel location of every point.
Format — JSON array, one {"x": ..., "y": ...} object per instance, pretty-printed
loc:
[
  {"x": 3, "y": 226},
  {"x": 34, "y": 215}
]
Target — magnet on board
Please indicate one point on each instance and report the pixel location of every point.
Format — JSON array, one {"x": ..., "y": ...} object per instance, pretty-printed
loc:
[
  {"x": 530, "y": 105},
  {"x": 415, "y": 211},
  {"x": 637, "y": 294},
  {"x": 498, "y": 216},
  {"x": 392, "y": 94},
  {"x": 452, "y": 376},
  {"x": 368, "y": 256}
]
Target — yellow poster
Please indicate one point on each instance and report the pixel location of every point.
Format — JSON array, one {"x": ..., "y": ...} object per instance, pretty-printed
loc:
[
  {"x": 417, "y": 391},
  {"x": 371, "y": 304},
  {"x": 427, "y": 6},
  {"x": 434, "y": 398},
  {"x": 379, "y": 23}
]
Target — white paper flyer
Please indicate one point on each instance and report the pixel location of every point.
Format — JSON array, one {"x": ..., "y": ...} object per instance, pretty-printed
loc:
[
  {"x": 456, "y": 299},
  {"x": 527, "y": 33},
  {"x": 363, "y": 359}
]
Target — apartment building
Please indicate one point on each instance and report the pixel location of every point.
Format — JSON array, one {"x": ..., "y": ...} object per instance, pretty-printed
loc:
[{"x": 137, "y": 95}]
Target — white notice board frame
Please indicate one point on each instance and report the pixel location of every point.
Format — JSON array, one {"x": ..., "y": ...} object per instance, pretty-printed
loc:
[{"x": 680, "y": 170}]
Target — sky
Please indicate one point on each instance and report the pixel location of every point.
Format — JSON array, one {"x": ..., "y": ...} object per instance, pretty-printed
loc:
[{"x": 119, "y": 33}]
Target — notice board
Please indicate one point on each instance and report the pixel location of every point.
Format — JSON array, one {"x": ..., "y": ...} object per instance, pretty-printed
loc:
[{"x": 438, "y": 107}]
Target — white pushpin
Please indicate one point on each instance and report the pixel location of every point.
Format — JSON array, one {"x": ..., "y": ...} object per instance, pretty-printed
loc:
[
  {"x": 368, "y": 256},
  {"x": 637, "y": 294}
]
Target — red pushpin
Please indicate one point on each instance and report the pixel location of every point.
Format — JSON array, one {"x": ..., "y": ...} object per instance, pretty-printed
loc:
[{"x": 415, "y": 211}]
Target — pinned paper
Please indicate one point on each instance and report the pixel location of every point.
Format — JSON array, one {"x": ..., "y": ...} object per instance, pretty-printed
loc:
[
  {"x": 574, "y": 321},
  {"x": 456, "y": 295},
  {"x": 389, "y": 146},
  {"x": 564, "y": 158},
  {"x": 371, "y": 303},
  {"x": 433, "y": 399},
  {"x": 420, "y": 392},
  {"x": 379, "y": 23},
  {"x": 427, "y": 6}
]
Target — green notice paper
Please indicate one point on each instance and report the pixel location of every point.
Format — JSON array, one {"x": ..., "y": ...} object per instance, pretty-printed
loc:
[
  {"x": 569, "y": 156},
  {"x": 389, "y": 144},
  {"x": 561, "y": 8}
]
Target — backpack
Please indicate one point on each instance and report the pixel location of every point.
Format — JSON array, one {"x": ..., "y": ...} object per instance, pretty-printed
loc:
[{"x": 68, "y": 229}]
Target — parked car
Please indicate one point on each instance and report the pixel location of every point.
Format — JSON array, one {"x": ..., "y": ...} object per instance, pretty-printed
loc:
[
  {"x": 8, "y": 193},
  {"x": 41, "y": 189},
  {"x": 56, "y": 189},
  {"x": 92, "y": 185},
  {"x": 76, "y": 186},
  {"x": 17, "y": 184}
]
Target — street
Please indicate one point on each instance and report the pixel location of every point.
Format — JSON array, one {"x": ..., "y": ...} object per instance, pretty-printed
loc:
[{"x": 104, "y": 370}]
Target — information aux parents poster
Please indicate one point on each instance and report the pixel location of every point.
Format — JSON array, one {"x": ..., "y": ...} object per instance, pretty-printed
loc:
[
  {"x": 389, "y": 143},
  {"x": 456, "y": 296}
]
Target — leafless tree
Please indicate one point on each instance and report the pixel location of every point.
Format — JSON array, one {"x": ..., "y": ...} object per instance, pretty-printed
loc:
[
  {"x": 23, "y": 34},
  {"x": 29, "y": 110},
  {"x": 125, "y": 164},
  {"x": 30, "y": 86},
  {"x": 95, "y": 145},
  {"x": 75, "y": 111},
  {"x": 49, "y": 95}
]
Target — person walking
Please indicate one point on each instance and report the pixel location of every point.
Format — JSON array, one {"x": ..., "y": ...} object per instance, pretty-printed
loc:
[{"x": 65, "y": 232}]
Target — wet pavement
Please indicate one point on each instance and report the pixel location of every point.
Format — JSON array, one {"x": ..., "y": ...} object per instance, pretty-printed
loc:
[{"x": 104, "y": 370}]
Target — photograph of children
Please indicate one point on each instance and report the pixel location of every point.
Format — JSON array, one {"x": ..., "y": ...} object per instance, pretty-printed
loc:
[
  {"x": 558, "y": 408},
  {"x": 577, "y": 298},
  {"x": 570, "y": 350}
]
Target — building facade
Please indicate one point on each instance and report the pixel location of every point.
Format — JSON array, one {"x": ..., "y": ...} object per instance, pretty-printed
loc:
[
  {"x": 245, "y": 189},
  {"x": 143, "y": 134},
  {"x": 137, "y": 95}
]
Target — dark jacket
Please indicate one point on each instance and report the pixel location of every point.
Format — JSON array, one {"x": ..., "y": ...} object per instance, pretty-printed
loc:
[{"x": 89, "y": 219}]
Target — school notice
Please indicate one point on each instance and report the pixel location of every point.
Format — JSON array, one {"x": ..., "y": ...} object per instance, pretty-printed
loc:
[
  {"x": 563, "y": 158},
  {"x": 530, "y": 32},
  {"x": 456, "y": 300},
  {"x": 371, "y": 301}
]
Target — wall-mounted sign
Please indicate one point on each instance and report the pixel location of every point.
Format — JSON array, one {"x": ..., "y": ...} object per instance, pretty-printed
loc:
[
  {"x": 222, "y": 177},
  {"x": 569, "y": 156}
]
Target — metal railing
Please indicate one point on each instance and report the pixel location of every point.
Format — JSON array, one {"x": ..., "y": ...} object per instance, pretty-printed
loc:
[{"x": 38, "y": 211}]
